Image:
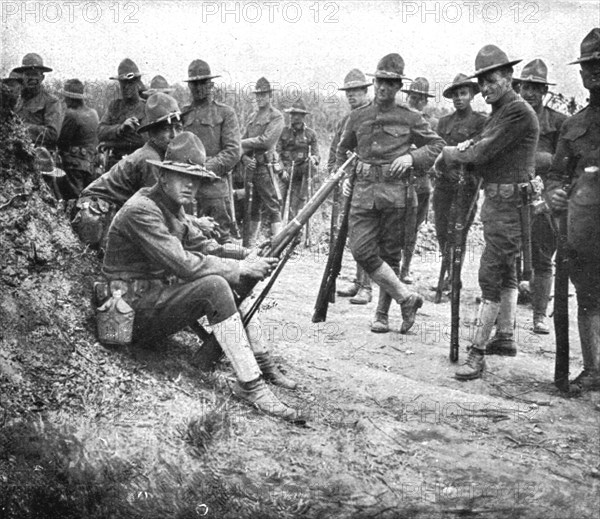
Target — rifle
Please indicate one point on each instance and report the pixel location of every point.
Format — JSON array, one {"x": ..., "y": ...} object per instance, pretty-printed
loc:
[
  {"x": 410, "y": 222},
  {"x": 309, "y": 186},
  {"x": 525, "y": 213},
  {"x": 293, "y": 228},
  {"x": 288, "y": 196},
  {"x": 447, "y": 252},
  {"x": 235, "y": 231},
  {"x": 271, "y": 170},
  {"x": 334, "y": 265},
  {"x": 249, "y": 188}
]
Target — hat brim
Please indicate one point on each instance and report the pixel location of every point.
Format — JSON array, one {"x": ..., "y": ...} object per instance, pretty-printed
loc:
[
  {"x": 126, "y": 77},
  {"x": 379, "y": 75},
  {"x": 582, "y": 59},
  {"x": 10, "y": 79},
  {"x": 351, "y": 86},
  {"x": 32, "y": 67},
  {"x": 410, "y": 91},
  {"x": 159, "y": 121},
  {"x": 295, "y": 111},
  {"x": 447, "y": 93},
  {"x": 72, "y": 95},
  {"x": 263, "y": 91},
  {"x": 485, "y": 70},
  {"x": 190, "y": 169},
  {"x": 200, "y": 78},
  {"x": 532, "y": 80}
]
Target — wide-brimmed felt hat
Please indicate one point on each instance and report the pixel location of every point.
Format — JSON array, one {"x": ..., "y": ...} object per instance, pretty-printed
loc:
[
  {"x": 13, "y": 76},
  {"x": 535, "y": 71},
  {"x": 419, "y": 86},
  {"x": 127, "y": 71},
  {"x": 32, "y": 61},
  {"x": 45, "y": 163},
  {"x": 590, "y": 47},
  {"x": 158, "y": 84},
  {"x": 297, "y": 108},
  {"x": 199, "y": 70},
  {"x": 262, "y": 86},
  {"x": 160, "y": 108},
  {"x": 460, "y": 80},
  {"x": 355, "y": 79},
  {"x": 73, "y": 88},
  {"x": 185, "y": 154},
  {"x": 391, "y": 66},
  {"x": 490, "y": 58}
]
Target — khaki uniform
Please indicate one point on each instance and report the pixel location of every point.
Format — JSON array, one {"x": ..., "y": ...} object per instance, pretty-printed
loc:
[{"x": 43, "y": 117}]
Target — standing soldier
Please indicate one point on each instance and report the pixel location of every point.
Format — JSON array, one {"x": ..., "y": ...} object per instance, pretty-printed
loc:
[
  {"x": 505, "y": 155},
  {"x": 462, "y": 125},
  {"x": 578, "y": 149},
  {"x": 157, "y": 84},
  {"x": 418, "y": 98},
  {"x": 356, "y": 89},
  {"x": 217, "y": 127},
  {"x": 381, "y": 133},
  {"x": 117, "y": 131},
  {"x": 78, "y": 140},
  {"x": 297, "y": 145},
  {"x": 534, "y": 87},
  {"x": 260, "y": 160},
  {"x": 39, "y": 110}
]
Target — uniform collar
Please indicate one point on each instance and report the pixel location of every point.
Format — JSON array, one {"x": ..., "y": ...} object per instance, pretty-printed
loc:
[{"x": 508, "y": 97}]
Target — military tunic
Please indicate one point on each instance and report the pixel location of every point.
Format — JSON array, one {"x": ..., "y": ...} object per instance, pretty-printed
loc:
[
  {"x": 170, "y": 270},
  {"x": 216, "y": 125},
  {"x": 378, "y": 208},
  {"x": 42, "y": 115},
  {"x": 108, "y": 130},
  {"x": 259, "y": 141},
  {"x": 505, "y": 156},
  {"x": 454, "y": 129},
  {"x": 579, "y": 147},
  {"x": 297, "y": 145}
]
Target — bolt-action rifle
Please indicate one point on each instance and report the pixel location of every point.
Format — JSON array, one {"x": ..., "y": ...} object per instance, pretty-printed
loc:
[
  {"x": 309, "y": 184},
  {"x": 288, "y": 195}
]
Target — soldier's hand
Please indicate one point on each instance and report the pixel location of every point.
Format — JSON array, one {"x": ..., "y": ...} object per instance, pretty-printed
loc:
[
  {"x": 249, "y": 162},
  {"x": 462, "y": 146},
  {"x": 285, "y": 176},
  {"x": 346, "y": 187},
  {"x": 206, "y": 224},
  {"x": 401, "y": 165},
  {"x": 256, "y": 267},
  {"x": 559, "y": 200},
  {"x": 129, "y": 125}
]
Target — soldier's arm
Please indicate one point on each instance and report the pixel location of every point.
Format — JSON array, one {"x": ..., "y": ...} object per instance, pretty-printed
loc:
[
  {"x": 231, "y": 151},
  {"x": 429, "y": 144},
  {"x": 561, "y": 169},
  {"x": 268, "y": 139},
  {"x": 314, "y": 146},
  {"x": 347, "y": 142},
  {"x": 108, "y": 127},
  {"x": 334, "y": 144}
]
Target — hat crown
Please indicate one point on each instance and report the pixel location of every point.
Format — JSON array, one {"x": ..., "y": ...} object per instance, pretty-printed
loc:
[
  {"x": 74, "y": 86},
  {"x": 198, "y": 68},
  {"x": 420, "y": 85},
  {"x": 128, "y": 67},
  {"x": 590, "y": 45},
  {"x": 263, "y": 85},
  {"x": 535, "y": 70},
  {"x": 160, "y": 105},
  {"x": 460, "y": 78},
  {"x": 490, "y": 56},
  {"x": 355, "y": 76},
  {"x": 186, "y": 148},
  {"x": 159, "y": 82},
  {"x": 391, "y": 65},
  {"x": 298, "y": 106},
  {"x": 15, "y": 75},
  {"x": 32, "y": 60}
]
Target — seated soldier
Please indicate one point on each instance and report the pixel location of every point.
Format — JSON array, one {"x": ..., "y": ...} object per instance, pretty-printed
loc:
[{"x": 151, "y": 241}]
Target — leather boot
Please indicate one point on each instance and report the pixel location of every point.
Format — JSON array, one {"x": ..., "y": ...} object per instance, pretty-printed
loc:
[
  {"x": 260, "y": 396},
  {"x": 474, "y": 364},
  {"x": 209, "y": 354},
  {"x": 540, "y": 287},
  {"x": 409, "y": 302},
  {"x": 380, "y": 323},
  {"x": 589, "y": 335},
  {"x": 365, "y": 293},
  {"x": 503, "y": 343},
  {"x": 272, "y": 373}
]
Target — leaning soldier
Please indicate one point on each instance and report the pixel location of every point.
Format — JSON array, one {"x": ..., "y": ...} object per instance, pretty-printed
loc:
[
  {"x": 117, "y": 132},
  {"x": 39, "y": 110},
  {"x": 171, "y": 276},
  {"x": 77, "y": 140},
  {"x": 504, "y": 153},
  {"x": 261, "y": 161},
  {"x": 356, "y": 88},
  {"x": 381, "y": 134},
  {"x": 533, "y": 88},
  {"x": 217, "y": 127},
  {"x": 298, "y": 150},
  {"x": 577, "y": 150},
  {"x": 99, "y": 201},
  {"x": 460, "y": 126},
  {"x": 418, "y": 99}
]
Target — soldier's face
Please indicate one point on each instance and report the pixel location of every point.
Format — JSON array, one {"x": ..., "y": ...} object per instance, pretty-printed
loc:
[
  {"x": 493, "y": 86},
  {"x": 533, "y": 93},
  {"x": 462, "y": 97},
  {"x": 356, "y": 97},
  {"x": 590, "y": 74},
  {"x": 386, "y": 90},
  {"x": 417, "y": 101},
  {"x": 263, "y": 99},
  {"x": 32, "y": 79},
  {"x": 164, "y": 134},
  {"x": 296, "y": 119},
  {"x": 129, "y": 88},
  {"x": 180, "y": 188},
  {"x": 200, "y": 90}
]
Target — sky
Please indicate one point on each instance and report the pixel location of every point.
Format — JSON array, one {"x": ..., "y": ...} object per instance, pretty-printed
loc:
[{"x": 307, "y": 44}]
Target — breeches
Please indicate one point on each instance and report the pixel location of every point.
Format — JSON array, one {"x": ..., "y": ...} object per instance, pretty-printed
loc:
[
  {"x": 264, "y": 197},
  {"x": 543, "y": 244}
]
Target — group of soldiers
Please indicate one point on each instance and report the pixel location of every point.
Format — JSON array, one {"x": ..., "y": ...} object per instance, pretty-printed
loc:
[{"x": 172, "y": 167}]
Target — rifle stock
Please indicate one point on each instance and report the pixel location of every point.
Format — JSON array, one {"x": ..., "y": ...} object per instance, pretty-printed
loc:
[
  {"x": 248, "y": 188},
  {"x": 288, "y": 196}
]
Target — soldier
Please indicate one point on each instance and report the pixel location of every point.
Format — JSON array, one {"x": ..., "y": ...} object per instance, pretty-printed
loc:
[
  {"x": 99, "y": 201},
  {"x": 157, "y": 84},
  {"x": 171, "y": 277},
  {"x": 418, "y": 98},
  {"x": 260, "y": 160},
  {"x": 117, "y": 131},
  {"x": 505, "y": 155},
  {"x": 462, "y": 125},
  {"x": 217, "y": 127},
  {"x": 39, "y": 110},
  {"x": 381, "y": 133},
  {"x": 577, "y": 150},
  {"x": 534, "y": 87},
  {"x": 356, "y": 88},
  {"x": 298, "y": 146},
  {"x": 14, "y": 86},
  {"x": 77, "y": 140}
]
